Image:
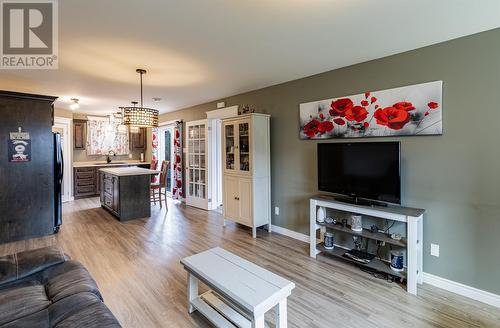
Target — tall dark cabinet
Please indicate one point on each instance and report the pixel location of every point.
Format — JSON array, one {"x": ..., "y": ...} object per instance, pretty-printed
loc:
[{"x": 27, "y": 188}]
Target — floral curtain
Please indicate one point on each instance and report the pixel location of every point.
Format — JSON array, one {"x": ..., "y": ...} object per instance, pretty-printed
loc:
[
  {"x": 103, "y": 136},
  {"x": 177, "y": 190},
  {"x": 154, "y": 150}
]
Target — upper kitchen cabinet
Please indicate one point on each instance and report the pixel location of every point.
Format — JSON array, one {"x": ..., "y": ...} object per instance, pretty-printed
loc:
[
  {"x": 79, "y": 134},
  {"x": 138, "y": 141}
]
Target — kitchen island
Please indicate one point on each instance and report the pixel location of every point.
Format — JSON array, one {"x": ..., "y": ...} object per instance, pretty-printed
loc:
[{"x": 125, "y": 191}]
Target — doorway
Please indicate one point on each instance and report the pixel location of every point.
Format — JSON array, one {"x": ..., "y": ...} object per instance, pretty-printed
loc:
[
  {"x": 62, "y": 126},
  {"x": 215, "y": 162},
  {"x": 166, "y": 151}
]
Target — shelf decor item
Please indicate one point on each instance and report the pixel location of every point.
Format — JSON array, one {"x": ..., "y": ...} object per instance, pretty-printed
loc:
[
  {"x": 321, "y": 214},
  {"x": 409, "y": 110},
  {"x": 356, "y": 223},
  {"x": 328, "y": 240},
  {"x": 397, "y": 261}
]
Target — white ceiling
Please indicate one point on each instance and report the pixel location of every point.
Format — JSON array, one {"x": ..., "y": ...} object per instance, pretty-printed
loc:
[{"x": 200, "y": 50}]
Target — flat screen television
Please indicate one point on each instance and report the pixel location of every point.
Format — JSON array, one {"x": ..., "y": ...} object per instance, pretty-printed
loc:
[{"x": 364, "y": 170}]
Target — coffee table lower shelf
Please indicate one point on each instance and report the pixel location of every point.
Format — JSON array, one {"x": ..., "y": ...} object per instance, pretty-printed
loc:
[
  {"x": 219, "y": 313},
  {"x": 375, "y": 264}
]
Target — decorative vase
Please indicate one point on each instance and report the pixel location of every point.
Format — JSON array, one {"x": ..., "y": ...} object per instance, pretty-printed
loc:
[
  {"x": 356, "y": 223},
  {"x": 321, "y": 214},
  {"x": 397, "y": 261}
]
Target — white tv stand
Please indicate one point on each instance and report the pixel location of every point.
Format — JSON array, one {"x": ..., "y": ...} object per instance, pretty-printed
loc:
[{"x": 413, "y": 217}]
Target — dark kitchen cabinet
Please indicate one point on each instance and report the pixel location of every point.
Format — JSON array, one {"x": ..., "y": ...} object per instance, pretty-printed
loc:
[
  {"x": 138, "y": 141},
  {"x": 79, "y": 134},
  {"x": 85, "y": 182},
  {"x": 126, "y": 196}
]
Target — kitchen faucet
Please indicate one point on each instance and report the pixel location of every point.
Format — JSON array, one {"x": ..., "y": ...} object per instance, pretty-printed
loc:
[{"x": 110, "y": 153}]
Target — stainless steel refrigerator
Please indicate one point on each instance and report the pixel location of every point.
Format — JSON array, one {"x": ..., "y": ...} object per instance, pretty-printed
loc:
[{"x": 58, "y": 181}]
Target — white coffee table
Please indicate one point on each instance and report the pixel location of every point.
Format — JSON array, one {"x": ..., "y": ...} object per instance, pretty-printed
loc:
[{"x": 241, "y": 294}]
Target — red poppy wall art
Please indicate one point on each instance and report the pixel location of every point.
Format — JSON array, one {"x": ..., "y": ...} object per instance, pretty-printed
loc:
[{"x": 410, "y": 110}]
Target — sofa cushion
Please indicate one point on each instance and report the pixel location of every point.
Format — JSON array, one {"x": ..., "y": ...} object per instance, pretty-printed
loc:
[
  {"x": 39, "y": 319},
  {"x": 23, "y": 264},
  {"x": 67, "y": 279},
  {"x": 22, "y": 300},
  {"x": 81, "y": 310}
]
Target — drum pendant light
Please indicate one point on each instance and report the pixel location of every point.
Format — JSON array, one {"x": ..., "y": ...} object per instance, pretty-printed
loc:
[{"x": 140, "y": 116}]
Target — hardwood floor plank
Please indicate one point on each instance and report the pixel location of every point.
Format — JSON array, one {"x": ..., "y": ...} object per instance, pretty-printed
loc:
[{"x": 136, "y": 265}]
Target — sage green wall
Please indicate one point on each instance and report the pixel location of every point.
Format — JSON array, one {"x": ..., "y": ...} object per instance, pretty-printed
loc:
[{"x": 455, "y": 176}]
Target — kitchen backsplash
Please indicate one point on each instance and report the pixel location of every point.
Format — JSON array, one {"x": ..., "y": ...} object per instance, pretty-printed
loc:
[{"x": 81, "y": 156}]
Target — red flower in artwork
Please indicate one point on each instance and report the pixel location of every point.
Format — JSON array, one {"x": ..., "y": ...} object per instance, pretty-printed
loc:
[
  {"x": 367, "y": 94},
  {"x": 404, "y": 105},
  {"x": 311, "y": 128},
  {"x": 339, "y": 107},
  {"x": 392, "y": 117},
  {"x": 357, "y": 113},
  {"x": 426, "y": 114},
  {"x": 376, "y": 106},
  {"x": 366, "y": 125},
  {"x": 177, "y": 134},
  {"x": 364, "y": 103},
  {"x": 433, "y": 105},
  {"x": 325, "y": 126},
  {"x": 177, "y": 159},
  {"x": 321, "y": 116},
  {"x": 339, "y": 121},
  {"x": 374, "y": 99},
  {"x": 179, "y": 183}
]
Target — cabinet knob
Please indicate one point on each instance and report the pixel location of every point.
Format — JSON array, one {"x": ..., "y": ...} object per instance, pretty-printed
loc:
[{"x": 237, "y": 198}]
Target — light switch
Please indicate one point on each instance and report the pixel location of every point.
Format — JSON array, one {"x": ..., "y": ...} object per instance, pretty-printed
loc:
[{"x": 435, "y": 250}]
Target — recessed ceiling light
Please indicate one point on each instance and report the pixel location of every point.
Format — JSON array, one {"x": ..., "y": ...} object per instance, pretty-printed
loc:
[{"x": 74, "y": 105}]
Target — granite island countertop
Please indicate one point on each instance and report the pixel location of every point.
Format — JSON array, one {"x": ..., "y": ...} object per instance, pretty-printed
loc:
[{"x": 128, "y": 171}]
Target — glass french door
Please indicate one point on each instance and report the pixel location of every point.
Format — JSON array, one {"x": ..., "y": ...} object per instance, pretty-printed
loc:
[
  {"x": 197, "y": 173},
  {"x": 166, "y": 151}
]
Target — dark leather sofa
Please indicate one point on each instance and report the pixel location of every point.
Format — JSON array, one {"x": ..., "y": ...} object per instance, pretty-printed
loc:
[{"x": 44, "y": 288}]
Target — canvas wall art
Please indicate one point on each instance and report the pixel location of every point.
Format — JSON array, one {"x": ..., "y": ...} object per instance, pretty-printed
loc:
[{"x": 409, "y": 110}]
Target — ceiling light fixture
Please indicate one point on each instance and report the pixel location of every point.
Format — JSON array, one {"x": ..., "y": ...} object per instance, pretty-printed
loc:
[
  {"x": 140, "y": 116},
  {"x": 74, "y": 105}
]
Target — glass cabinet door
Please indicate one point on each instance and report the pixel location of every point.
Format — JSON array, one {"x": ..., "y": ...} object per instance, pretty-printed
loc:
[
  {"x": 230, "y": 144},
  {"x": 244, "y": 146}
]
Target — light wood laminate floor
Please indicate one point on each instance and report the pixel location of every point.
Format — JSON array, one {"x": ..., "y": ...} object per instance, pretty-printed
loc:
[{"x": 136, "y": 265}]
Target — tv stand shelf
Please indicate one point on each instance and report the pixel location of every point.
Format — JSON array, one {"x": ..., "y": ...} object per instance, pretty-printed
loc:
[
  {"x": 412, "y": 217},
  {"x": 375, "y": 264},
  {"x": 366, "y": 233}
]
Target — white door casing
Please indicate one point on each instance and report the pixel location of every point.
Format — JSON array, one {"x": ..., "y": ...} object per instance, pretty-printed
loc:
[{"x": 65, "y": 125}]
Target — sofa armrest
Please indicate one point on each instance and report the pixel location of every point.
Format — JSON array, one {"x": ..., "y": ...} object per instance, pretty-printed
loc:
[{"x": 23, "y": 264}]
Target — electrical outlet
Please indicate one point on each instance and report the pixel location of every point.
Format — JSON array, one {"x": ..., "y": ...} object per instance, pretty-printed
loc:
[
  {"x": 276, "y": 210},
  {"x": 435, "y": 250}
]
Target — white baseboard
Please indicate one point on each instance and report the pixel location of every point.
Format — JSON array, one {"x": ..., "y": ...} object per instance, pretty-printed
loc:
[
  {"x": 448, "y": 285},
  {"x": 290, "y": 233},
  {"x": 461, "y": 289}
]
